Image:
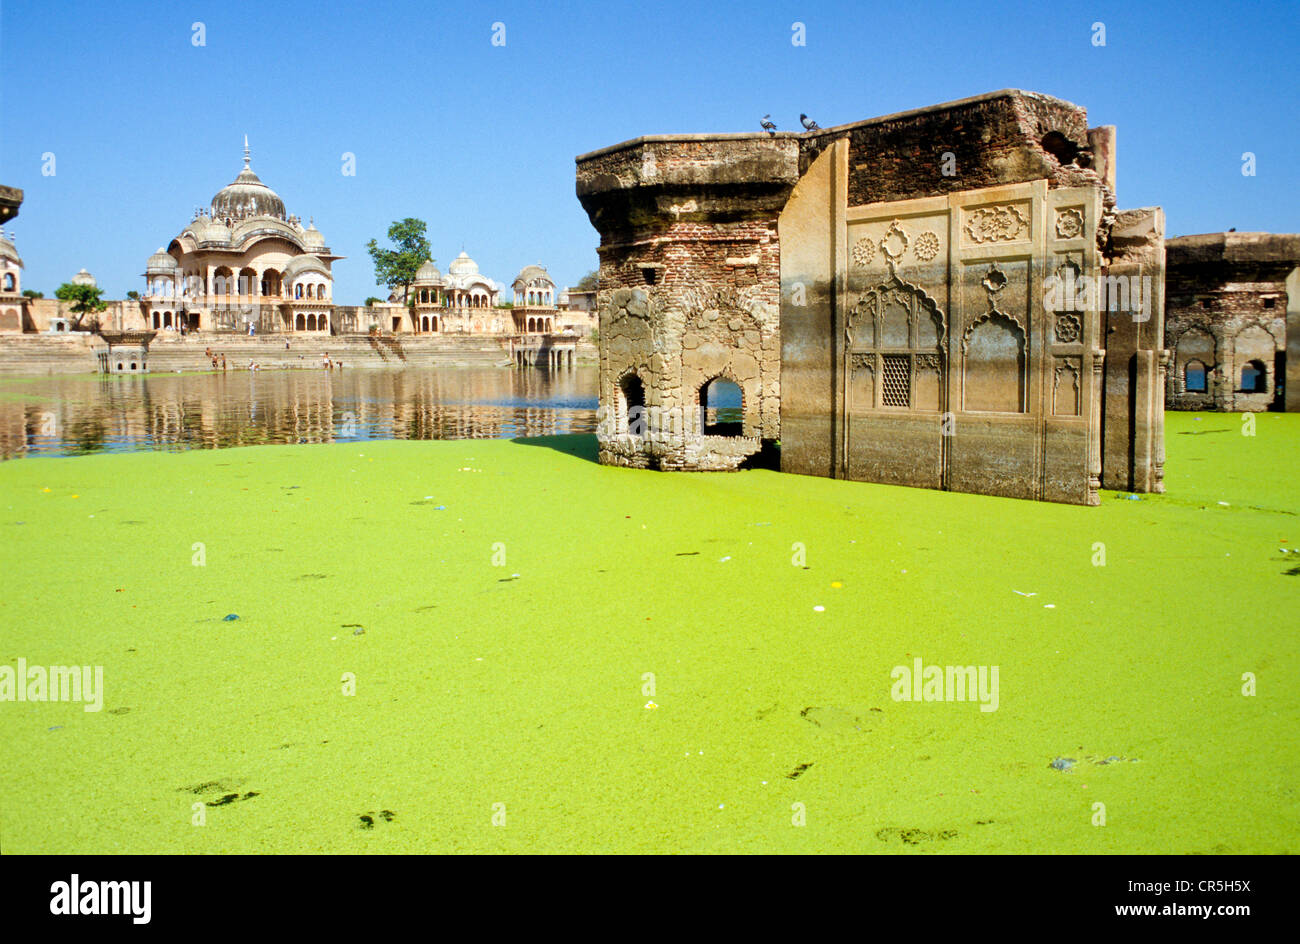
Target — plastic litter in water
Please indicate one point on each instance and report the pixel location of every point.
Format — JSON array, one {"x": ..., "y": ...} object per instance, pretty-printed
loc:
[{"x": 229, "y": 617}]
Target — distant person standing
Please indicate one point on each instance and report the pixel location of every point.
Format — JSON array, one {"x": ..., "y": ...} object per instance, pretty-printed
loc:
[{"x": 223, "y": 362}]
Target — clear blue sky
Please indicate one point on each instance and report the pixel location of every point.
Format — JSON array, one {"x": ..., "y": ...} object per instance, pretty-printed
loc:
[{"x": 479, "y": 141}]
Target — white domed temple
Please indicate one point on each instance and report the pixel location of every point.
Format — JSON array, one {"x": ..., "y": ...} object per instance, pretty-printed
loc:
[
  {"x": 243, "y": 264},
  {"x": 464, "y": 301}
]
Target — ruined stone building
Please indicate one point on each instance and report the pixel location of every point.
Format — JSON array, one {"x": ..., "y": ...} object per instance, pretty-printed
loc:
[
  {"x": 887, "y": 297},
  {"x": 1230, "y": 297}
]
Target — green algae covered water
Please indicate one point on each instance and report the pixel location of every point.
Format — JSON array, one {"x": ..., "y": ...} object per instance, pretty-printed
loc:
[{"x": 502, "y": 646}]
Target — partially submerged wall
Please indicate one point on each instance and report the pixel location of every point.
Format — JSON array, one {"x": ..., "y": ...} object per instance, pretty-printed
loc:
[
  {"x": 912, "y": 258},
  {"x": 1233, "y": 321}
]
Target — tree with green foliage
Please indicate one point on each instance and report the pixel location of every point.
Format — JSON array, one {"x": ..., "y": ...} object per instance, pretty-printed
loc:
[
  {"x": 133, "y": 295},
  {"x": 394, "y": 267},
  {"x": 589, "y": 282},
  {"x": 372, "y": 301},
  {"x": 83, "y": 300},
  {"x": 32, "y": 293}
]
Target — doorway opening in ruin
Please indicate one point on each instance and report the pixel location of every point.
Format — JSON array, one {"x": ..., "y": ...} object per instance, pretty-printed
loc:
[
  {"x": 721, "y": 408},
  {"x": 1194, "y": 377},
  {"x": 1253, "y": 377},
  {"x": 632, "y": 403}
]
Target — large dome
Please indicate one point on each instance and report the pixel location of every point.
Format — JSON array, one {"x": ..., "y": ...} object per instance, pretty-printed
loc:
[
  {"x": 462, "y": 265},
  {"x": 247, "y": 197}
]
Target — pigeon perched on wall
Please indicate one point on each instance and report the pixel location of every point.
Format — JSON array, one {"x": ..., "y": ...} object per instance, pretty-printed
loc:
[
  {"x": 768, "y": 125},
  {"x": 808, "y": 123}
]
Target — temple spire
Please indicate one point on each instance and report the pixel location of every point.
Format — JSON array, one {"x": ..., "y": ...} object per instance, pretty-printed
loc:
[{"x": 246, "y": 151}]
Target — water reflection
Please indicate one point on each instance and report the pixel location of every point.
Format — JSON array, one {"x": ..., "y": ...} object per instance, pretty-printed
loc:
[{"x": 75, "y": 415}]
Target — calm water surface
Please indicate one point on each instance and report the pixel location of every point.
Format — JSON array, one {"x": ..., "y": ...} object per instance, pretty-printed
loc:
[{"x": 77, "y": 415}]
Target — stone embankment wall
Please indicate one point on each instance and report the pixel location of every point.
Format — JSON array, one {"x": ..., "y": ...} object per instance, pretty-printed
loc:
[{"x": 75, "y": 353}]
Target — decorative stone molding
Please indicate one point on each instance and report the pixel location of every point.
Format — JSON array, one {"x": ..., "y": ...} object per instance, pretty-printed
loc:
[
  {"x": 926, "y": 247},
  {"x": 1067, "y": 328},
  {"x": 864, "y": 250},
  {"x": 989, "y": 315},
  {"x": 994, "y": 281},
  {"x": 1069, "y": 223},
  {"x": 997, "y": 224},
  {"x": 911, "y": 297},
  {"x": 894, "y": 243}
]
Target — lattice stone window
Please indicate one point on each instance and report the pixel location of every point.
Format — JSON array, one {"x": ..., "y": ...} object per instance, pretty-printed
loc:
[{"x": 895, "y": 388}]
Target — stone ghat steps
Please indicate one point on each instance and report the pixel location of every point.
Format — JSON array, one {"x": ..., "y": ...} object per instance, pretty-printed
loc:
[
  {"x": 46, "y": 354},
  {"x": 308, "y": 353}
]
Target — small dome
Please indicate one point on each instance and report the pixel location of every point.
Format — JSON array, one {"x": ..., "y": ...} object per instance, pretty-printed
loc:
[
  {"x": 428, "y": 272},
  {"x": 303, "y": 263},
  {"x": 83, "y": 278},
  {"x": 531, "y": 275},
  {"x": 312, "y": 237},
  {"x": 462, "y": 265},
  {"x": 161, "y": 261},
  {"x": 7, "y": 250}
]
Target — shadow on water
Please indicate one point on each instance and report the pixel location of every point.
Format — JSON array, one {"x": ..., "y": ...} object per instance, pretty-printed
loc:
[{"x": 579, "y": 445}]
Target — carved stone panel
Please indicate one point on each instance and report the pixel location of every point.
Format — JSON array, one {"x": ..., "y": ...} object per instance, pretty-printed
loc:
[{"x": 944, "y": 321}]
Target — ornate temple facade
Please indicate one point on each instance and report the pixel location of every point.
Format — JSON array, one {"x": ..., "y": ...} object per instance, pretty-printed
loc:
[
  {"x": 886, "y": 297},
  {"x": 464, "y": 301},
  {"x": 12, "y": 305},
  {"x": 244, "y": 264}
]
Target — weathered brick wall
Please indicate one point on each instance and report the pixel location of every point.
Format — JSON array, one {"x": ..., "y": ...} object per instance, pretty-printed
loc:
[{"x": 993, "y": 139}]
